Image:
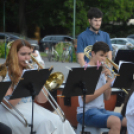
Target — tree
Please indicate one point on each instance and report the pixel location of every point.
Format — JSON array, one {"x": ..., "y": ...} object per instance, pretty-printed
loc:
[{"x": 56, "y": 16}]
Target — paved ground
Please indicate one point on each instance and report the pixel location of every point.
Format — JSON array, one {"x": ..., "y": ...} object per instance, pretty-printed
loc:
[
  {"x": 57, "y": 66},
  {"x": 61, "y": 67}
]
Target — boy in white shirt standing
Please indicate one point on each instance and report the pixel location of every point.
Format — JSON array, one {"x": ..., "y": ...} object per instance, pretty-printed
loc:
[{"x": 95, "y": 113}]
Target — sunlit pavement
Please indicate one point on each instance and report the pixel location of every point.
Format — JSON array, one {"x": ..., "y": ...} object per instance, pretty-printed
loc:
[{"x": 60, "y": 67}]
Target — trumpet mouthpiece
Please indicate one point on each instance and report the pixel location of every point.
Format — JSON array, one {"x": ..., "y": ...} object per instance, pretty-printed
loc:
[{"x": 26, "y": 62}]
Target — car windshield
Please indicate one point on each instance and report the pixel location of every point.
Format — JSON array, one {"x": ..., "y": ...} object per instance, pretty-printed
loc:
[
  {"x": 18, "y": 36},
  {"x": 12, "y": 35},
  {"x": 131, "y": 40}
]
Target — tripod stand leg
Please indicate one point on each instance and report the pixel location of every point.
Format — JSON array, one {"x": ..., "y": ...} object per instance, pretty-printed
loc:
[{"x": 84, "y": 95}]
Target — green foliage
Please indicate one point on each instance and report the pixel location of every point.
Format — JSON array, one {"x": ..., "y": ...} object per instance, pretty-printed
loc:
[
  {"x": 2, "y": 50},
  {"x": 119, "y": 31},
  {"x": 59, "y": 48},
  {"x": 58, "y": 14}
]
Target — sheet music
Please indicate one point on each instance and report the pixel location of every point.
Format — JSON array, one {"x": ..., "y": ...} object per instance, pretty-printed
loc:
[{"x": 121, "y": 62}]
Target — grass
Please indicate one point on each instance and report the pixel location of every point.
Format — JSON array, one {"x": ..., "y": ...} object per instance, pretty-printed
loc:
[{"x": 43, "y": 54}]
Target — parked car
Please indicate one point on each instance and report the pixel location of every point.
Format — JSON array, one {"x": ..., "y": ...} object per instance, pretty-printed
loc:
[
  {"x": 121, "y": 43},
  {"x": 131, "y": 36},
  {"x": 51, "y": 40},
  {"x": 5, "y": 36},
  {"x": 8, "y": 37}
]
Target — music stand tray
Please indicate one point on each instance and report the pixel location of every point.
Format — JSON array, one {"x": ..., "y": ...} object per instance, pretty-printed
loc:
[
  {"x": 89, "y": 76},
  {"x": 30, "y": 85},
  {"x": 82, "y": 82},
  {"x": 31, "y": 79},
  {"x": 3, "y": 89},
  {"x": 124, "y": 55},
  {"x": 126, "y": 77}
]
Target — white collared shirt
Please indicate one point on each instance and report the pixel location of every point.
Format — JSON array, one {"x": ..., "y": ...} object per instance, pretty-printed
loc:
[{"x": 130, "y": 115}]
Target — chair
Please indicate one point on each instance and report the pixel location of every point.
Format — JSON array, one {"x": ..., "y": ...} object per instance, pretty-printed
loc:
[{"x": 92, "y": 130}]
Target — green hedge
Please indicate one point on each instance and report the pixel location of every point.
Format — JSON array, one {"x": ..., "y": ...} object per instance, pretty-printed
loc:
[{"x": 2, "y": 50}]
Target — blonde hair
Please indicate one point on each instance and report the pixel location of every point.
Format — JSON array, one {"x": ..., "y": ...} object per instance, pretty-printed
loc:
[{"x": 12, "y": 60}]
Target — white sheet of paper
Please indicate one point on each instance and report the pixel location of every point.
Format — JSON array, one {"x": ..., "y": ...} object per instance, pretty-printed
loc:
[{"x": 121, "y": 61}]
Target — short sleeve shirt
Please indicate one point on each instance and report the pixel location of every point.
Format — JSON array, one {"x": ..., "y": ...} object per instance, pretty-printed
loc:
[
  {"x": 88, "y": 37},
  {"x": 96, "y": 103},
  {"x": 130, "y": 114}
]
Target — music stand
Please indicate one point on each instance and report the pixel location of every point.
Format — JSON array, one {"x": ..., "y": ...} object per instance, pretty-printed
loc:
[
  {"x": 124, "y": 55},
  {"x": 126, "y": 77},
  {"x": 4, "y": 87},
  {"x": 82, "y": 82},
  {"x": 30, "y": 85}
]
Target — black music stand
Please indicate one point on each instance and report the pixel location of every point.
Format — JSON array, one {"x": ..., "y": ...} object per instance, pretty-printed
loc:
[
  {"x": 82, "y": 82},
  {"x": 30, "y": 85},
  {"x": 124, "y": 55},
  {"x": 126, "y": 77},
  {"x": 3, "y": 89}
]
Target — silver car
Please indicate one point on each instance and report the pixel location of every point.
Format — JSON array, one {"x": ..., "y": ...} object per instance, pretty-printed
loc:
[{"x": 121, "y": 43}]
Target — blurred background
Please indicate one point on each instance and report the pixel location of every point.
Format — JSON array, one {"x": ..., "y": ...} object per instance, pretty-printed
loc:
[{"x": 36, "y": 20}]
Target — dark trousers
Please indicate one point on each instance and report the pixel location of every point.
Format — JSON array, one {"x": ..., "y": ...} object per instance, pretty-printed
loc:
[{"x": 5, "y": 129}]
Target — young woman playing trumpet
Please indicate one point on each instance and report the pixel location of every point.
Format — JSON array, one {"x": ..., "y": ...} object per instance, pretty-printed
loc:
[{"x": 45, "y": 122}]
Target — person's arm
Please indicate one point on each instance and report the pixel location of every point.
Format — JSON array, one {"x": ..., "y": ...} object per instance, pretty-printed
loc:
[
  {"x": 107, "y": 93},
  {"x": 110, "y": 55},
  {"x": 98, "y": 92},
  {"x": 80, "y": 57},
  {"x": 110, "y": 47},
  {"x": 103, "y": 89},
  {"x": 41, "y": 97},
  {"x": 13, "y": 102},
  {"x": 80, "y": 50},
  {"x": 35, "y": 54}
]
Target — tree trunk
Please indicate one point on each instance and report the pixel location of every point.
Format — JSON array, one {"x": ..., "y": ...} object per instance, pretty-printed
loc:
[{"x": 22, "y": 18}]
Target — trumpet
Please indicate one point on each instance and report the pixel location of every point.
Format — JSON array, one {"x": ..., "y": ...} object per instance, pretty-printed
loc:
[
  {"x": 87, "y": 53},
  {"x": 4, "y": 105},
  {"x": 3, "y": 72},
  {"x": 113, "y": 74},
  {"x": 53, "y": 82}
]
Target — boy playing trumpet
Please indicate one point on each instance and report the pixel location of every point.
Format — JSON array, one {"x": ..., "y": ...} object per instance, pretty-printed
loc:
[{"x": 95, "y": 113}]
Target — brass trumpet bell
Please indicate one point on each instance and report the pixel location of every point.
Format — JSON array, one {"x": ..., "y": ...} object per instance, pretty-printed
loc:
[
  {"x": 54, "y": 81},
  {"x": 87, "y": 53}
]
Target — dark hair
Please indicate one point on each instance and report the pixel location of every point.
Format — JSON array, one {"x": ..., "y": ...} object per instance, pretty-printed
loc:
[
  {"x": 100, "y": 46},
  {"x": 123, "y": 111},
  {"x": 94, "y": 13}
]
